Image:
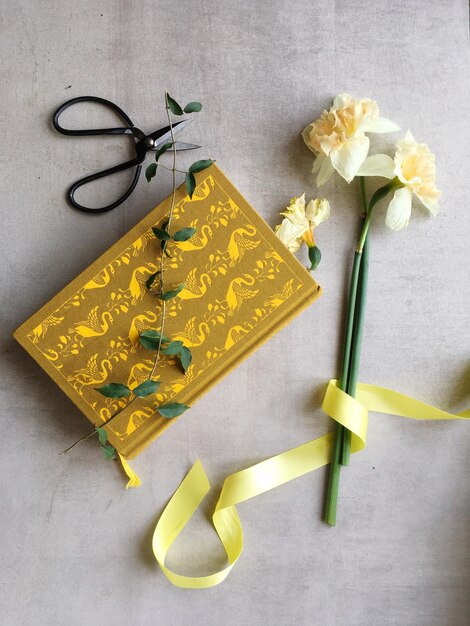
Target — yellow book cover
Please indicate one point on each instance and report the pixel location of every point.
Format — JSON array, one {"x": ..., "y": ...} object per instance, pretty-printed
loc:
[{"x": 241, "y": 286}]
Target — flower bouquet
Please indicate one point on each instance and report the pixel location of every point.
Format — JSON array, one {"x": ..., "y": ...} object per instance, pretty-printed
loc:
[{"x": 340, "y": 143}]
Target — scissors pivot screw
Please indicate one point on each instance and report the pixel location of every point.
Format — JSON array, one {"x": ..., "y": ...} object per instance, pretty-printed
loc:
[{"x": 149, "y": 142}]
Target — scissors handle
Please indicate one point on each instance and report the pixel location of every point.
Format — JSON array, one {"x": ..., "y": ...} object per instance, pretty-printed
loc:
[
  {"x": 127, "y": 130},
  {"x": 142, "y": 143},
  {"x": 102, "y": 174}
]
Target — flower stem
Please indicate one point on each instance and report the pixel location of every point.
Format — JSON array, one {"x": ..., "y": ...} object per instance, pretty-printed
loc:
[
  {"x": 355, "y": 355},
  {"x": 333, "y": 479},
  {"x": 359, "y": 314},
  {"x": 342, "y": 434},
  {"x": 352, "y": 343}
]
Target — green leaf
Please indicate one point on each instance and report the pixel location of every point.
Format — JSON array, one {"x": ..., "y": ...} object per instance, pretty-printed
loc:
[
  {"x": 172, "y": 409},
  {"x": 168, "y": 295},
  {"x": 184, "y": 234},
  {"x": 190, "y": 181},
  {"x": 114, "y": 390},
  {"x": 150, "y": 339},
  {"x": 150, "y": 171},
  {"x": 160, "y": 233},
  {"x": 102, "y": 435},
  {"x": 151, "y": 279},
  {"x": 174, "y": 347},
  {"x": 185, "y": 358},
  {"x": 173, "y": 105},
  {"x": 163, "y": 244},
  {"x": 193, "y": 107},
  {"x": 198, "y": 166},
  {"x": 108, "y": 452},
  {"x": 146, "y": 388},
  {"x": 177, "y": 348},
  {"x": 163, "y": 149}
]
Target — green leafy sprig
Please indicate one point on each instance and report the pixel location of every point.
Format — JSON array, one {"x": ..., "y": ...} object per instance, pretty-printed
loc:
[
  {"x": 155, "y": 339},
  {"x": 108, "y": 450},
  {"x": 147, "y": 388},
  {"x": 198, "y": 166},
  {"x": 151, "y": 339}
]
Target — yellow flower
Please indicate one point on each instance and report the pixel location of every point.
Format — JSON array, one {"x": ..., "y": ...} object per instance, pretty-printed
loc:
[
  {"x": 415, "y": 170},
  {"x": 300, "y": 222},
  {"x": 338, "y": 137}
]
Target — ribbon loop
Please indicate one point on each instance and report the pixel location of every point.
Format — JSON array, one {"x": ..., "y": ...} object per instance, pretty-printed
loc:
[
  {"x": 348, "y": 411},
  {"x": 275, "y": 471},
  {"x": 134, "y": 480}
]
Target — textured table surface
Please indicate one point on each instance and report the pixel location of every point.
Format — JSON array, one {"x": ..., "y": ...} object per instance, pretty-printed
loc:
[{"x": 76, "y": 545}]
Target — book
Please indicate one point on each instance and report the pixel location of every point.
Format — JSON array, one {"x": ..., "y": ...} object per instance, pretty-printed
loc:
[{"x": 241, "y": 285}]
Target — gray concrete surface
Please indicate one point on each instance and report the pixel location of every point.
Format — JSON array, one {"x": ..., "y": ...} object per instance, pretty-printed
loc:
[{"x": 75, "y": 544}]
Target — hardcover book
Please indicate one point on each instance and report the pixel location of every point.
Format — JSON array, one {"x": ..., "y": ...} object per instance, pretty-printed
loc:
[{"x": 241, "y": 285}]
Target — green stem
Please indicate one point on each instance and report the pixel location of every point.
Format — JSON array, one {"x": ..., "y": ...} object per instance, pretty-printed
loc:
[
  {"x": 361, "y": 308},
  {"x": 356, "y": 344},
  {"x": 333, "y": 479},
  {"x": 351, "y": 352},
  {"x": 170, "y": 169},
  {"x": 358, "y": 319},
  {"x": 359, "y": 314},
  {"x": 340, "y": 430}
]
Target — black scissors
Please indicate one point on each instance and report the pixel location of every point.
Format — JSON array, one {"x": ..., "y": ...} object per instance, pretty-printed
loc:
[{"x": 143, "y": 143}]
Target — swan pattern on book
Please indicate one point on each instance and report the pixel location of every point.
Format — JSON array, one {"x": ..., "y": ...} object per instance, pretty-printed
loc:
[{"x": 227, "y": 268}]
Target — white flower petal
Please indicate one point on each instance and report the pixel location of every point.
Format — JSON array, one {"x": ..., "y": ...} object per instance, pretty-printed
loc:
[
  {"x": 290, "y": 234},
  {"x": 341, "y": 100},
  {"x": 381, "y": 125},
  {"x": 311, "y": 209},
  {"x": 317, "y": 211},
  {"x": 399, "y": 209},
  {"x": 325, "y": 170},
  {"x": 432, "y": 204},
  {"x": 295, "y": 212},
  {"x": 415, "y": 167},
  {"x": 378, "y": 165},
  {"x": 409, "y": 136},
  {"x": 318, "y": 163},
  {"x": 306, "y": 137},
  {"x": 349, "y": 158},
  {"x": 299, "y": 202}
]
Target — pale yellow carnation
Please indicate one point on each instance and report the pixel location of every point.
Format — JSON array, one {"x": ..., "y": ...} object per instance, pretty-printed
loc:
[
  {"x": 338, "y": 137},
  {"x": 300, "y": 221},
  {"x": 414, "y": 167}
]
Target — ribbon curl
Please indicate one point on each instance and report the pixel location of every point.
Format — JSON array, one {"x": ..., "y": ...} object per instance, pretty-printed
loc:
[
  {"x": 275, "y": 471},
  {"x": 134, "y": 480}
]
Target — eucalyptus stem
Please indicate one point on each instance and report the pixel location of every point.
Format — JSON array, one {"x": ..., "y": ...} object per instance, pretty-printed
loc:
[
  {"x": 170, "y": 217},
  {"x": 162, "y": 270},
  {"x": 78, "y": 441},
  {"x": 170, "y": 169}
]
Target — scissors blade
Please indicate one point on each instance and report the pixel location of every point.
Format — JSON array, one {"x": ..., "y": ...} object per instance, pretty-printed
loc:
[
  {"x": 162, "y": 135},
  {"x": 180, "y": 145}
]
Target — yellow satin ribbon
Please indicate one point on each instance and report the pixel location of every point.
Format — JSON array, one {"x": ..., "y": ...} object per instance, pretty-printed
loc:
[
  {"x": 275, "y": 471},
  {"x": 134, "y": 480}
]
